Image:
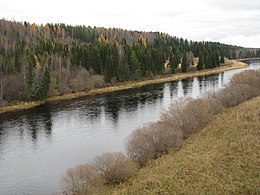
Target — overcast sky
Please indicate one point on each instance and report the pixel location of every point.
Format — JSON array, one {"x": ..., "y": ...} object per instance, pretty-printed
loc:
[{"x": 229, "y": 21}]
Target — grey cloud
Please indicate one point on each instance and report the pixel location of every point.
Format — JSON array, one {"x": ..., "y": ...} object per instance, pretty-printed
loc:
[{"x": 236, "y": 4}]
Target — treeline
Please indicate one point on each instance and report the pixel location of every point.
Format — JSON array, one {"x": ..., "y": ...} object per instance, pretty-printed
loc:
[
  {"x": 183, "y": 118},
  {"x": 37, "y": 61}
]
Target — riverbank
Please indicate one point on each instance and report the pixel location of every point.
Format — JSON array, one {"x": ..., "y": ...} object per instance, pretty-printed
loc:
[
  {"x": 247, "y": 59},
  {"x": 229, "y": 65},
  {"x": 223, "y": 158}
]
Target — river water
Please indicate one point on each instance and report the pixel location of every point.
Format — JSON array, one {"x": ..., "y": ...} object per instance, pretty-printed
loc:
[{"x": 37, "y": 146}]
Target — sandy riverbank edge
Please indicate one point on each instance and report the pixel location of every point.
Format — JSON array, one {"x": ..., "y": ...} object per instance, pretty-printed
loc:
[{"x": 232, "y": 64}]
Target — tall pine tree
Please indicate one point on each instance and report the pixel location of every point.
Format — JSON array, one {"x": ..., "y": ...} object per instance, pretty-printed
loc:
[
  {"x": 174, "y": 60},
  {"x": 200, "y": 65},
  {"x": 222, "y": 59},
  {"x": 184, "y": 63}
]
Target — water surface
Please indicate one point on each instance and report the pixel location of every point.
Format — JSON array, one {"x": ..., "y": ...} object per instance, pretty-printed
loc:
[{"x": 38, "y": 145}]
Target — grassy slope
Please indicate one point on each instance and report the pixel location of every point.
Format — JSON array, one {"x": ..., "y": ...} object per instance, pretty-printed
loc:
[
  {"x": 229, "y": 65},
  {"x": 223, "y": 158}
]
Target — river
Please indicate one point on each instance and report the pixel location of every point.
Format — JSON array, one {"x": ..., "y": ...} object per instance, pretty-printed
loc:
[{"x": 37, "y": 146}]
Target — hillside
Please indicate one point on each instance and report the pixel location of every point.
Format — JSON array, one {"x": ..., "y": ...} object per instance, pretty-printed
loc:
[
  {"x": 223, "y": 158},
  {"x": 39, "y": 61}
]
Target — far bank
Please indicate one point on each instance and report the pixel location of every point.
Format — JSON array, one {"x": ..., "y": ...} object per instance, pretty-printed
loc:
[{"x": 230, "y": 65}]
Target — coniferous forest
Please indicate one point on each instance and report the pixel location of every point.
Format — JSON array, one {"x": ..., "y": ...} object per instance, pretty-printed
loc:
[{"x": 38, "y": 61}]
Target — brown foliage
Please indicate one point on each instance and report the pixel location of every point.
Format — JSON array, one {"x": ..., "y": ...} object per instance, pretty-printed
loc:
[
  {"x": 13, "y": 87},
  {"x": 233, "y": 95},
  {"x": 82, "y": 179},
  {"x": 77, "y": 80},
  {"x": 114, "y": 167},
  {"x": 190, "y": 115},
  {"x": 242, "y": 87},
  {"x": 152, "y": 141},
  {"x": 248, "y": 77}
]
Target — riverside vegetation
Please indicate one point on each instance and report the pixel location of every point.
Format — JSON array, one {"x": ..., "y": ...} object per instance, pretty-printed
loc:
[
  {"x": 220, "y": 158},
  {"x": 228, "y": 65},
  {"x": 40, "y": 61}
]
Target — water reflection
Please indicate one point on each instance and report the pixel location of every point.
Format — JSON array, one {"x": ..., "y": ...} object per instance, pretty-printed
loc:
[
  {"x": 187, "y": 86},
  {"x": 29, "y": 122},
  {"x": 112, "y": 107},
  {"x": 173, "y": 88}
]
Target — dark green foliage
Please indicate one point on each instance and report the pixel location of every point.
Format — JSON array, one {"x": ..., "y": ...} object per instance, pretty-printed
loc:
[
  {"x": 112, "y": 65},
  {"x": 184, "y": 63},
  {"x": 174, "y": 60},
  {"x": 29, "y": 76},
  {"x": 217, "y": 59},
  {"x": 200, "y": 65},
  {"x": 109, "y": 69},
  {"x": 158, "y": 60},
  {"x": 37, "y": 79},
  {"x": 134, "y": 66},
  {"x": 222, "y": 59},
  {"x": 43, "y": 88}
]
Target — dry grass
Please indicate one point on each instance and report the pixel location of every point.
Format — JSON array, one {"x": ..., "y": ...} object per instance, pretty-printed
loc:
[
  {"x": 20, "y": 106},
  {"x": 230, "y": 64},
  {"x": 223, "y": 158}
]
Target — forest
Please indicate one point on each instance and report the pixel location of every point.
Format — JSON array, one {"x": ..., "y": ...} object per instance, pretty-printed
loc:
[{"x": 39, "y": 61}]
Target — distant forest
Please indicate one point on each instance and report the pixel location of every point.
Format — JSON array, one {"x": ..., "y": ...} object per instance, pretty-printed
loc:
[{"x": 37, "y": 61}]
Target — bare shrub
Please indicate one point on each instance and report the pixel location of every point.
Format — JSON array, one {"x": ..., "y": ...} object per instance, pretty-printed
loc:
[
  {"x": 114, "y": 168},
  {"x": 248, "y": 77},
  {"x": 80, "y": 80},
  {"x": 97, "y": 81},
  {"x": 82, "y": 179},
  {"x": 152, "y": 141},
  {"x": 242, "y": 87},
  {"x": 190, "y": 115},
  {"x": 13, "y": 87},
  {"x": 233, "y": 95}
]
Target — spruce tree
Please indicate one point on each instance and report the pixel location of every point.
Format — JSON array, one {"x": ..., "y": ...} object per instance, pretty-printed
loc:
[
  {"x": 222, "y": 59},
  {"x": 29, "y": 76},
  {"x": 45, "y": 82},
  {"x": 213, "y": 62},
  {"x": 207, "y": 61},
  {"x": 108, "y": 74},
  {"x": 217, "y": 59},
  {"x": 43, "y": 88},
  {"x": 184, "y": 63},
  {"x": 134, "y": 66},
  {"x": 176, "y": 61},
  {"x": 200, "y": 65}
]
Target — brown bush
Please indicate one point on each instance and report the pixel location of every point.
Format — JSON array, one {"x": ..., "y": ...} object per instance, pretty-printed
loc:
[
  {"x": 248, "y": 77},
  {"x": 74, "y": 80},
  {"x": 13, "y": 87},
  {"x": 80, "y": 79},
  {"x": 233, "y": 94},
  {"x": 242, "y": 87},
  {"x": 82, "y": 179},
  {"x": 114, "y": 168},
  {"x": 152, "y": 141},
  {"x": 190, "y": 115}
]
